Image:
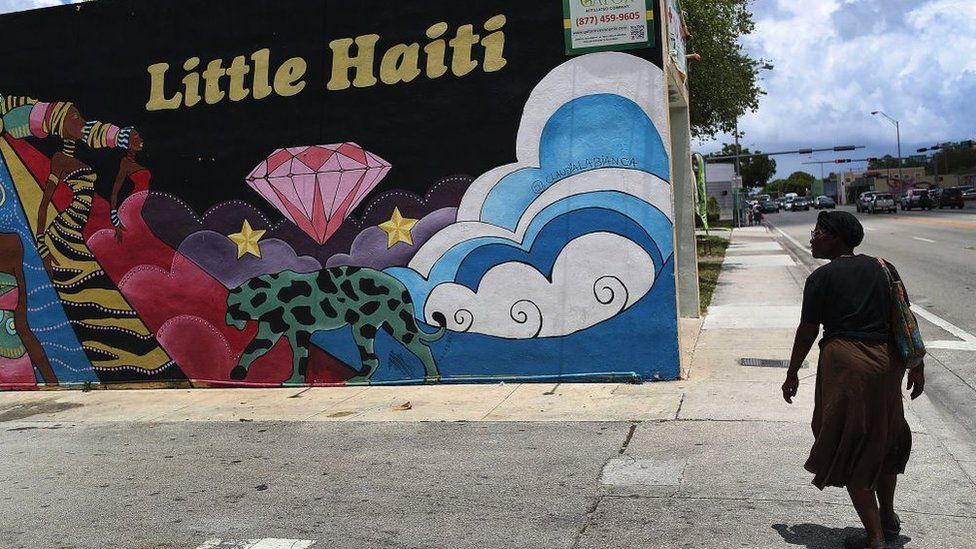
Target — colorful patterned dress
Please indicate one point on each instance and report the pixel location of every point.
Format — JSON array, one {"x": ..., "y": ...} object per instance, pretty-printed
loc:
[{"x": 111, "y": 333}]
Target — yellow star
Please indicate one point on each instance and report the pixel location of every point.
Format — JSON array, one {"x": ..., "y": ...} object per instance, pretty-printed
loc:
[
  {"x": 398, "y": 229},
  {"x": 247, "y": 240}
]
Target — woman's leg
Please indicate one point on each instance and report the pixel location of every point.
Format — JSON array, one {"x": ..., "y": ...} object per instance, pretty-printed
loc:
[
  {"x": 886, "y": 497},
  {"x": 867, "y": 509}
]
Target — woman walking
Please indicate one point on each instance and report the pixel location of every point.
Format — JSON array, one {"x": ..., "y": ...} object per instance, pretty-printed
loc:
[{"x": 861, "y": 439}]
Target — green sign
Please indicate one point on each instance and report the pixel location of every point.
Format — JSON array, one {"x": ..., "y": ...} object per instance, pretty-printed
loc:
[{"x": 607, "y": 25}]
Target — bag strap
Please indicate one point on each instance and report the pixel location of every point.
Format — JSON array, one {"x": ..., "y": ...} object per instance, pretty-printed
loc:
[{"x": 887, "y": 272}]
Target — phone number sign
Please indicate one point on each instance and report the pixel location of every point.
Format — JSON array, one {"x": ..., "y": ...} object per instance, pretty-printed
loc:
[{"x": 602, "y": 25}]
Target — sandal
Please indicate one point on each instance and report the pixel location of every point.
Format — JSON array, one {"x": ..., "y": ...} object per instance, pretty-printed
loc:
[{"x": 892, "y": 530}]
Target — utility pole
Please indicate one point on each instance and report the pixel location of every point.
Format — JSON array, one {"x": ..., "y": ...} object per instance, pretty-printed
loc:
[{"x": 897, "y": 137}]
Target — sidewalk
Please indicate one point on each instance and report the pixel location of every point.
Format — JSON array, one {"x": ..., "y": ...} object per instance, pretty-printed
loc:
[{"x": 712, "y": 461}]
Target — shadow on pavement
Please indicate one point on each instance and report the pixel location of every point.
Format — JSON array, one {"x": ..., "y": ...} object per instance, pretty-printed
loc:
[{"x": 816, "y": 536}]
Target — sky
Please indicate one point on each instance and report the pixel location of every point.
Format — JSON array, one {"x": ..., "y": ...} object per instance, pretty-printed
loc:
[{"x": 836, "y": 61}]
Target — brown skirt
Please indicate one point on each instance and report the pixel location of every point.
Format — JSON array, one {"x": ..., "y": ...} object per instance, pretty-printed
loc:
[{"x": 859, "y": 422}]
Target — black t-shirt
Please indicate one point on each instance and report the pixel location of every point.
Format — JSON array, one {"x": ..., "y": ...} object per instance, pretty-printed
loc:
[{"x": 850, "y": 297}]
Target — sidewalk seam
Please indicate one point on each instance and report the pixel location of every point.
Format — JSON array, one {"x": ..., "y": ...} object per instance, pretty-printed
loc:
[{"x": 500, "y": 402}]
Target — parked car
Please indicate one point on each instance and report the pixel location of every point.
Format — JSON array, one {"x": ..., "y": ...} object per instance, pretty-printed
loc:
[
  {"x": 824, "y": 202},
  {"x": 917, "y": 198},
  {"x": 882, "y": 202},
  {"x": 769, "y": 206},
  {"x": 861, "y": 205},
  {"x": 951, "y": 197},
  {"x": 782, "y": 202}
]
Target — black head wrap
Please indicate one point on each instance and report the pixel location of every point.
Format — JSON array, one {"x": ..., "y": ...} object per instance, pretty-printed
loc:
[{"x": 842, "y": 225}]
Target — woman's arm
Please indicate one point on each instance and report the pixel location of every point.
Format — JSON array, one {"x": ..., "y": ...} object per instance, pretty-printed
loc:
[
  {"x": 120, "y": 178},
  {"x": 49, "y": 186},
  {"x": 806, "y": 334}
]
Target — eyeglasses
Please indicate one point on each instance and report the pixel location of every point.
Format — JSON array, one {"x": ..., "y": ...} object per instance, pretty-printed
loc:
[{"x": 816, "y": 232}]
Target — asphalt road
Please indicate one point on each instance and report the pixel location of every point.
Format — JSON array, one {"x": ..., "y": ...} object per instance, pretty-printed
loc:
[{"x": 935, "y": 252}]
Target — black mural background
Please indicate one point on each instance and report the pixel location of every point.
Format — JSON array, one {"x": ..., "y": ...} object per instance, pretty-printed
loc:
[{"x": 95, "y": 54}]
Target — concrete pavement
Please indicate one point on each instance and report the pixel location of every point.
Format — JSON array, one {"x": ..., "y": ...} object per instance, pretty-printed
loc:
[{"x": 711, "y": 461}]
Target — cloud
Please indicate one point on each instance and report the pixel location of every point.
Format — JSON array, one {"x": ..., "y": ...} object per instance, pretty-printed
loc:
[
  {"x": 173, "y": 220},
  {"x": 574, "y": 232},
  {"x": 836, "y": 61},
  {"x": 370, "y": 248},
  {"x": 594, "y": 278},
  {"x": 9, "y": 6},
  {"x": 217, "y": 255}
]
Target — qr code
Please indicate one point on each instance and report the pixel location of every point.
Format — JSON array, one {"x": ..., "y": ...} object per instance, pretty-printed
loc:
[{"x": 638, "y": 32}]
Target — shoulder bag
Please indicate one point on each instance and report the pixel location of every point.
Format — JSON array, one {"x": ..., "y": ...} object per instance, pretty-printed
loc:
[{"x": 904, "y": 327}]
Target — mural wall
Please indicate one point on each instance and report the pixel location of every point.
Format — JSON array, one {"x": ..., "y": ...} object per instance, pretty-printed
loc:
[{"x": 313, "y": 193}]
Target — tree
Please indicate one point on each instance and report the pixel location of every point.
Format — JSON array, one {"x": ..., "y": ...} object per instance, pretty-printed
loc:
[
  {"x": 723, "y": 85},
  {"x": 890, "y": 162},
  {"x": 800, "y": 183},
  {"x": 776, "y": 186},
  {"x": 756, "y": 171}
]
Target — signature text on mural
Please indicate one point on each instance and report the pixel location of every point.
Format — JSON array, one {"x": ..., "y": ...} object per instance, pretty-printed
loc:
[{"x": 353, "y": 64}]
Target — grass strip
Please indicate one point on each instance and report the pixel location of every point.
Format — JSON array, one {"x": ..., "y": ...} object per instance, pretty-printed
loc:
[{"x": 709, "y": 267}]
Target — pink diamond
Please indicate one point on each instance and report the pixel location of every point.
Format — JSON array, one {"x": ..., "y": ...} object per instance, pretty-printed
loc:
[{"x": 315, "y": 187}]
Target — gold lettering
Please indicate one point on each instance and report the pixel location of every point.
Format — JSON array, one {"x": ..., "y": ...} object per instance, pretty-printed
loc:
[
  {"x": 191, "y": 82},
  {"x": 288, "y": 78},
  {"x": 262, "y": 83},
  {"x": 461, "y": 62},
  {"x": 494, "y": 44},
  {"x": 157, "y": 90},
  {"x": 362, "y": 63},
  {"x": 237, "y": 70},
  {"x": 401, "y": 63},
  {"x": 436, "y": 51},
  {"x": 211, "y": 81}
]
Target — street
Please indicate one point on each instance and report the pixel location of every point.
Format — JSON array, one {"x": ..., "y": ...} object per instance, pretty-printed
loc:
[
  {"x": 711, "y": 461},
  {"x": 935, "y": 253}
]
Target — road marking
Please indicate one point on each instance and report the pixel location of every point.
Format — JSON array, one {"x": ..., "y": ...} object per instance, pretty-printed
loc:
[
  {"x": 924, "y": 239},
  {"x": 959, "y": 224},
  {"x": 870, "y": 229},
  {"x": 945, "y": 325},
  {"x": 968, "y": 340},
  {"x": 266, "y": 543},
  {"x": 793, "y": 240},
  {"x": 951, "y": 345}
]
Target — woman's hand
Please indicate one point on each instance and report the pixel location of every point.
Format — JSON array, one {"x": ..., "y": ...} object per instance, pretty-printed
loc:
[
  {"x": 790, "y": 386},
  {"x": 916, "y": 380}
]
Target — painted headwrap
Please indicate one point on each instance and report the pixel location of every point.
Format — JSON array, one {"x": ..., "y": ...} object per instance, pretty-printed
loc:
[
  {"x": 98, "y": 135},
  {"x": 53, "y": 122},
  {"x": 122, "y": 141},
  {"x": 842, "y": 225},
  {"x": 15, "y": 112}
]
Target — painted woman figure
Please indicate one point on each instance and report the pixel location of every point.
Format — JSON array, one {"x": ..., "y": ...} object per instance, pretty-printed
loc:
[
  {"x": 129, "y": 170},
  {"x": 20, "y": 351},
  {"x": 110, "y": 332}
]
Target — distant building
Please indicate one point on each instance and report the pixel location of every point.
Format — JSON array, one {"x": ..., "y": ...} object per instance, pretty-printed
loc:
[
  {"x": 851, "y": 184},
  {"x": 719, "y": 179}
]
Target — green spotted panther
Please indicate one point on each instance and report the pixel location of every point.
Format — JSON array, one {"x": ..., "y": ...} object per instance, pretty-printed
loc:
[{"x": 297, "y": 305}]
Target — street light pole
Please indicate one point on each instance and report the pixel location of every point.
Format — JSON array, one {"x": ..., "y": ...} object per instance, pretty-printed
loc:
[{"x": 897, "y": 137}]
